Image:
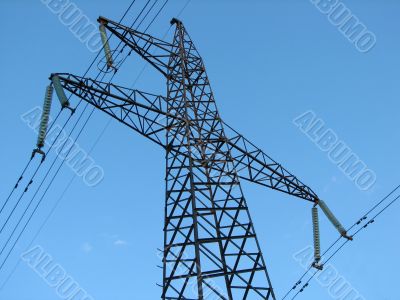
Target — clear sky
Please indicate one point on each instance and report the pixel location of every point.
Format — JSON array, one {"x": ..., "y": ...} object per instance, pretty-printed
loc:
[{"x": 268, "y": 62}]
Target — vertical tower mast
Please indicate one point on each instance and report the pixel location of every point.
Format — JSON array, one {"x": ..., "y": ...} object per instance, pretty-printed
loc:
[{"x": 210, "y": 246}]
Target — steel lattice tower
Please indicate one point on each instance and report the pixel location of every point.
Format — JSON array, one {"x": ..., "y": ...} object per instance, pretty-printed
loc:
[
  {"x": 211, "y": 249},
  {"x": 208, "y": 231}
]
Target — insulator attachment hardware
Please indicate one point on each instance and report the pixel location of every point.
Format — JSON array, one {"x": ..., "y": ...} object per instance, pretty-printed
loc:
[
  {"x": 19, "y": 180},
  {"x": 370, "y": 222},
  {"x": 361, "y": 220},
  {"x": 106, "y": 44},
  {"x": 304, "y": 287},
  {"x": 39, "y": 151}
]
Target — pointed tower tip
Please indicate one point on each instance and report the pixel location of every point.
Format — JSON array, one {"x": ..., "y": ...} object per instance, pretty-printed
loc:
[
  {"x": 175, "y": 21},
  {"x": 102, "y": 20}
]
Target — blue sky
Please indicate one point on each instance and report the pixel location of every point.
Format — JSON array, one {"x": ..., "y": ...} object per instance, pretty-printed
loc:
[{"x": 268, "y": 62}]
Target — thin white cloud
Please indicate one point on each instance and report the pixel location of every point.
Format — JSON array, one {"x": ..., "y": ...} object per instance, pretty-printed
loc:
[
  {"x": 120, "y": 243},
  {"x": 87, "y": 247}
]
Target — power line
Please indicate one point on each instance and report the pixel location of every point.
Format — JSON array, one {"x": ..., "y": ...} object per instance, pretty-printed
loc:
[
  {"x": 69, "y": 184},
  {"x": 36, "y": 171},
  {"x": 25, "y": 169},
  {"x": 32, "y": 178},
  {"x": 27, "y": 165},
  {"x": 53, "y": 209},
  {"x": 73, "y": 177},
  {"x": 37, "y": 190},
  {"x": 64, "y": 159},
  {"x": 360, "y": 221},
  {"x": 40, "y": 200},
  {"x": 120, "y": 42}
]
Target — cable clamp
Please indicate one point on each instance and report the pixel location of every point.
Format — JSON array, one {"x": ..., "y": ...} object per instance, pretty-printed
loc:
[{"x": 39, "y": 151}]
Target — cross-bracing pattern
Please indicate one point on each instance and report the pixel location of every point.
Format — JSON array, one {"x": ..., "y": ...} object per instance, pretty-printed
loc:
[
  {"x": 211, "y": 249},
  {"x": 210, "y": 243}
]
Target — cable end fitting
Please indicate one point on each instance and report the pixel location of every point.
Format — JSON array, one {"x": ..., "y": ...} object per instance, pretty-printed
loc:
[
  {"x": 346, "y": 236},
  {"x": 317, "y": 266}
]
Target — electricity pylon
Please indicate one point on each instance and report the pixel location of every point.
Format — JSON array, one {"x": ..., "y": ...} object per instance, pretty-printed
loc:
[{"x": 211, "y": 249}]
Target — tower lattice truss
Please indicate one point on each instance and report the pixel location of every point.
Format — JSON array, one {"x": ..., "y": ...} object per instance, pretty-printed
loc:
[{"x": 211, "y": 249}]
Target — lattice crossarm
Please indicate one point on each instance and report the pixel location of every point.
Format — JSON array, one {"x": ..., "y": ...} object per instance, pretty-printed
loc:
[
  {"x": 255, "y": 166},
  {"x": 143, "y": 112},
  {"x": 153, "y": 50}
]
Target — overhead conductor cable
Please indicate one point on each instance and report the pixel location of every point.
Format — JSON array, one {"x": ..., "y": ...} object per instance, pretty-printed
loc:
[{"x": 72, "y": 110}]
